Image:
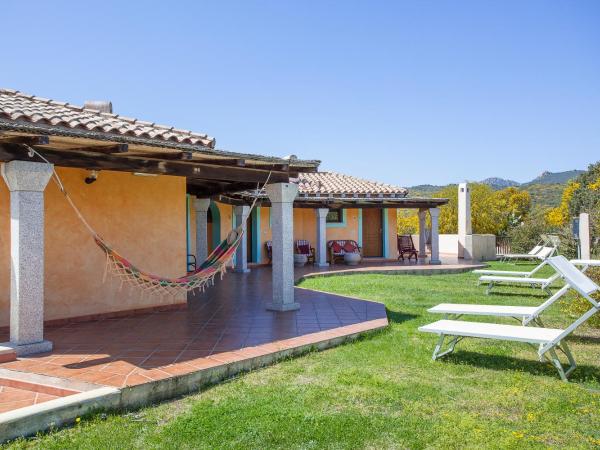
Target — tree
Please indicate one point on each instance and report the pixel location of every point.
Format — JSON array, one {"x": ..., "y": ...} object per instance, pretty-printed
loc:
[
  {"x": 492, "y": 212},
  {"x": 560, "y": 215}
]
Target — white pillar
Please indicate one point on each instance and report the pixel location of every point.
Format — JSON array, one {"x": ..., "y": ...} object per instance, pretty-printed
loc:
[
  {"x": 282, "y": 197},
  {"x": 584, "y": 235},
  {"x": 464, "y": 219},
  {"x": 434, "y": 213},
  {"x": 26, "y": 181},
  {"x": 241, "y": 253},
  {"x": 201, "y": 206},
  {"x": 423, "y": 233},
  {"x": 322, "y": 237}
]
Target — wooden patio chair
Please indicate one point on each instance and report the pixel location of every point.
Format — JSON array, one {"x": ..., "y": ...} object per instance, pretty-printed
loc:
[
  {"x": 303, "y": 247},
  {"x": 406, "y": 246}
]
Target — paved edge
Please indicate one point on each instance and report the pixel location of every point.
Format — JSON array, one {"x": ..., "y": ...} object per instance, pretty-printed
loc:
[
  {"x": 64, "y": 411},
  {"x": 433, "y": 270},
  {"x": 55, "y": 413}
]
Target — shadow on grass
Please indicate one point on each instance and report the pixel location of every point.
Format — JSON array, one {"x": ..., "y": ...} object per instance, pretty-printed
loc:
[
  {"x": 583, "y": 373},
  {"x": 399, "y": 317},
  {"x": 584, "y": 339},
  {"x": 529, "y": 293}
]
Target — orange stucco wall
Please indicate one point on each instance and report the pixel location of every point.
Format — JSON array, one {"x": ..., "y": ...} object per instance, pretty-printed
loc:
[
  {"x": 142, "y": 217},
  {"x": 392, "y": 233}
]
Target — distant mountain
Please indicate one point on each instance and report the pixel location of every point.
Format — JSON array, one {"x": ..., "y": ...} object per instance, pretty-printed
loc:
[
  {"x": 499, "y": 183},
  {"x": 424, "y": 190},
  {"x": 545, "y": 190},
  {"x": 555, "y": 177}
]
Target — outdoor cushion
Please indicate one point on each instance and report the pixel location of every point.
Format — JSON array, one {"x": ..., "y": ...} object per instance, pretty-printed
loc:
[
  {"x": 350, "y": 247},
  {"x": 304, "y": 249},
  {"x": 337, "y": 248}
]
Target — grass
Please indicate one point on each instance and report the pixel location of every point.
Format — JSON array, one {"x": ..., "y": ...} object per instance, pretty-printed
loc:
[{"x": 382, "y": 391}]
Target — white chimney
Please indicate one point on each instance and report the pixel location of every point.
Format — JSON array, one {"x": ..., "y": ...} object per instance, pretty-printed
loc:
[
  {"x": 99, "y": 105},
  {"x": 464, "y": 217}
]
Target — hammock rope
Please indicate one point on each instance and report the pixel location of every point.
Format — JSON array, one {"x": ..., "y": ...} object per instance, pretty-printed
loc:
[{"x": 215, "y": 264}]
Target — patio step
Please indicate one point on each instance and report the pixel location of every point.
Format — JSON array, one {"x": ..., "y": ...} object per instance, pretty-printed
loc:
[{"x": 7, "y": 354}]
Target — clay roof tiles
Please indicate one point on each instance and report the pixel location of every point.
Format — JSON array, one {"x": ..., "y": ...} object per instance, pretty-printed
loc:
[
  {"x": 335, "y": 184},
  {"x": 17, "y": 106}
]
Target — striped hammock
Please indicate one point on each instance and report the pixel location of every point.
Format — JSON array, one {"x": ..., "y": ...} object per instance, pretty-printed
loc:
[
  {"x": 204, "y": 276},
  {"x": 216, "y": 264}
]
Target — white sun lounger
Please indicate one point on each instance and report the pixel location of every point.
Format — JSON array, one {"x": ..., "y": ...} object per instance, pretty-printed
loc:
[
  {"x": 493, "y": 277},
  {"x": 548, "y": 340},
  {"x": 510, "y": 273},
  {"x": 515, "y": 273},
  {"x": 524, "y": 314},
  {"x": 538, "y": 252},
  {"x": 543, "y": 283},
  {"x": 585, "y": 263},
  {"x": 532, "y": 252}
]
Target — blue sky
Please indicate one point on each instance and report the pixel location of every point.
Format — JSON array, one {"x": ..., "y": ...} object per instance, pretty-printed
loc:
[{"x": 403, "y": 92}]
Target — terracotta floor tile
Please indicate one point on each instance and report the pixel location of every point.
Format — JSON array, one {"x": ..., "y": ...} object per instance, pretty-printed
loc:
[
  {"x": 137, "y": 349},
  {"x": 135, "y": 379},
  {"x": 10, "y": 406}
]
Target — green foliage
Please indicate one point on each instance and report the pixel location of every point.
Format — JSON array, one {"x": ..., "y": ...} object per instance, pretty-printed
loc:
[
  {"x": 544, "y": 195},
  {"x": 408, "y": 221},
  {"x": 579, "y": 305},
  {"x": 525, "y": 236},
  {"x": 492, "y": 212},
  {"x": 586, "y": 198}
]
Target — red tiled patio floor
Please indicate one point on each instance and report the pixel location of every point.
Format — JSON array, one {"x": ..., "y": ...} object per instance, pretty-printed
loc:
[
  {"x": 225, "y": 324},
  {"x": 14, "y": 398}
]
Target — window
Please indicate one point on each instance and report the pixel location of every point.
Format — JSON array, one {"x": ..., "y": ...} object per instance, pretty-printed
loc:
[{"x": 335, "y": 216}]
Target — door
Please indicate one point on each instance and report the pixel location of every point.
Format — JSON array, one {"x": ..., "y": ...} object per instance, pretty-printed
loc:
[{"x": 372, "y": 232}]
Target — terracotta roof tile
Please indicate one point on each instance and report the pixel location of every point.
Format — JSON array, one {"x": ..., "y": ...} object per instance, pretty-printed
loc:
[
  {"x": 330, "y": 183},
  {"x": 15, "y": 105}
]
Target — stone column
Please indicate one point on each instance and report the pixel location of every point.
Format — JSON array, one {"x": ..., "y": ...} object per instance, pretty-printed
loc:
[
  {"x": 434, "y": 213},
  {"x": 201, "y": 206},
  {"x": 322, "y": 237},
  {"x": 241, "y": 253},
  {"x": 464, "y": 219},
  {"x": 584, "y": 235},
  {"x": 423, "y": 233},
  {"x": 26, "y": 181},
  {"x": 282, "y": 197}
]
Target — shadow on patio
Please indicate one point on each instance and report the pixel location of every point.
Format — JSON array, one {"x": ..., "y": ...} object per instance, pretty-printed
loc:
[{"x": 227, "y": 323}]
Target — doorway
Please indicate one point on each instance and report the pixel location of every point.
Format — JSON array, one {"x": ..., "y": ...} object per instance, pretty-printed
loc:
[{"x": 372, "y": 232}]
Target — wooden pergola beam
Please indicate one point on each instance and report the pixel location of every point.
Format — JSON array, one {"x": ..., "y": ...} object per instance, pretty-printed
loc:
[
  {"x": 29, "y": 140},
  {"x": 125, "y": 163},
  {"x": 106, "y": 149},
  {"x": 208, "y": 189},
  {"x": 172, "y": 156}
]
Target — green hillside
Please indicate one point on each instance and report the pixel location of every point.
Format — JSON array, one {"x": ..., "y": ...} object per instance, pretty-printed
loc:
[
  {"x": 545, "y": 190},
  {"x": 544, "y": 195},
  {"x": 555, "y": 177}
]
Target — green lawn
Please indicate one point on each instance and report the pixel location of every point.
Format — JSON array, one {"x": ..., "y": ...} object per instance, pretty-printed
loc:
[{"x": 383, "y": 391}]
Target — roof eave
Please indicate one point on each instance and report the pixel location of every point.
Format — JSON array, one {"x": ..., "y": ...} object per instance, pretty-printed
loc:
[{"x": 45, "y": 129}]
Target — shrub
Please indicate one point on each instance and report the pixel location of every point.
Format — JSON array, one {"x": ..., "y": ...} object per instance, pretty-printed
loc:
[
  {"x": 579, "y": 305},
  {"x": 525, "y": 236}
]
